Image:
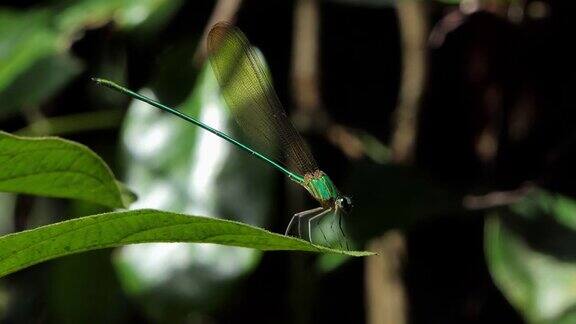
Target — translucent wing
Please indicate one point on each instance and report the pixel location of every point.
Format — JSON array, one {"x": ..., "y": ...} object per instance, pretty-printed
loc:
[
  {"x": 249, "y": 94},
  {"x": 329, "y": 231}
]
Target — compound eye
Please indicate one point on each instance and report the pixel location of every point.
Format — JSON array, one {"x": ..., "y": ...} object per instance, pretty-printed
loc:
[{"x": 345, "y": 203}]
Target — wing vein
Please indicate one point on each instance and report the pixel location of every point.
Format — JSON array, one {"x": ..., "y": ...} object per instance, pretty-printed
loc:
[{"x": 250, "y": 97}]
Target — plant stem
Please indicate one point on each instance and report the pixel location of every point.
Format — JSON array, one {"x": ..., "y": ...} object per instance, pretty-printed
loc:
[{"x": 74, "y": 123}]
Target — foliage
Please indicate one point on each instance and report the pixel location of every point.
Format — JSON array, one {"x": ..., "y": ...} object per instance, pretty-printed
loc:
[
  {"x": 58, "y": 168},
  {"x": 35, "y": 44},
  {"x": 26, "y": 248},
  {"x": 55, "y": 167},
  {"x": 493, "y": 115},
  {"x": 529, "y": 248}
]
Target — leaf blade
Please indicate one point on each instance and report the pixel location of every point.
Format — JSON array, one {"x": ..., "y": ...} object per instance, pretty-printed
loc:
[
  {"x": 54, "y": 167},
  {"x": 23, "y": 249},
  {"x": 528, "y": 249}
]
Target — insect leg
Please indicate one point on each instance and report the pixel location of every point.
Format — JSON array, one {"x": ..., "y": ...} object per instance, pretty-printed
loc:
[
  {"x": 343, "y": 233},
  {"x": 297, "y": 217},
  {"x": 323, "y": 213}
]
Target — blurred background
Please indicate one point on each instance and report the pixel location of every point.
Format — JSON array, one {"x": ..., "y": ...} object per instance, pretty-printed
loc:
[{"x": 449, "y": 123}]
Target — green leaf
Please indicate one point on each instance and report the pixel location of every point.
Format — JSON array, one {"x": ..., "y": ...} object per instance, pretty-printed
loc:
[
  {"x": 24, "y": 38},
  {"x": 35, "y": 62},
  {"x": 538, "y": 202},
  {"x": 530, "y": 254},
  {"x": 23, "y": 249},
  {"x": 125, "y": 14},
  {"x": 39, "y": 81},
  {"x": 56, "y": 167}
]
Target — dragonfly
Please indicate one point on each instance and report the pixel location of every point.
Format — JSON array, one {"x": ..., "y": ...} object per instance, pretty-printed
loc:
[{"x": 247, "y": 90}]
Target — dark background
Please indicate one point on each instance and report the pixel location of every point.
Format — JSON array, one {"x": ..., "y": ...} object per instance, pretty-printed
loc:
[{"x": 490, "y": 78}]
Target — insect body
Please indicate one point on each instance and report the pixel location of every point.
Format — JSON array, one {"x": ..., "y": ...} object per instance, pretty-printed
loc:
[{"x": 246, "y": 88}]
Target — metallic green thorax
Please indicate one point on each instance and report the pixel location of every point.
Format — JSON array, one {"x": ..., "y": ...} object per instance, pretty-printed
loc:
[{"x": 321, "y": 188}]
